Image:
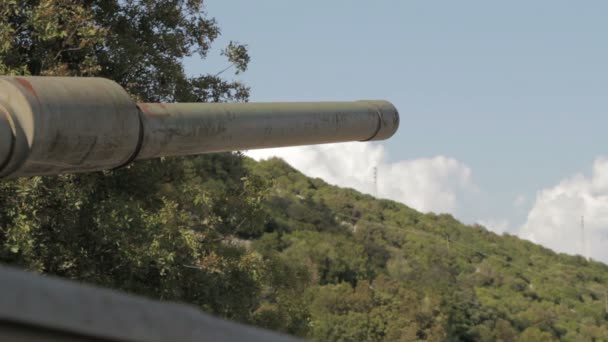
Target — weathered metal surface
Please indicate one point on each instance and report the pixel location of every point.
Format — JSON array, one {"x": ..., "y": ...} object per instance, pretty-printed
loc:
[
  {"x": 192, "y": 128},
  {"x": 37, "y": 308},
  {"x": 67, "y": 125},
  {"x": 7, "y": 138},
  {"x": 52, "y": 125}
]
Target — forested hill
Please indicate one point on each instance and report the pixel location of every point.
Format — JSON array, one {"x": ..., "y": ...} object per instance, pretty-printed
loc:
[
  {"x": 259, "y": 242},
  {"x": 380, "y": 270}
]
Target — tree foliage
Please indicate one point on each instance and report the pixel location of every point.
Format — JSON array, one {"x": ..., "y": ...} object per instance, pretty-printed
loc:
[
  {"x": 378, "y": 270},
  {"x": 140, "y": 44},
  {"x": 160, "y": 228}
]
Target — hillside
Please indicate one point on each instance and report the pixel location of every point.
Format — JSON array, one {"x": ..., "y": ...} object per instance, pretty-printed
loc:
[
  {"x": 376, "y": 269},
  {"x": 259, "y": 242}
]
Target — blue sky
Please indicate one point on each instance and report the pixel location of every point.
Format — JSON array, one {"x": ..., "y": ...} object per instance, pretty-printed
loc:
[{"x": 513, "y": 91}]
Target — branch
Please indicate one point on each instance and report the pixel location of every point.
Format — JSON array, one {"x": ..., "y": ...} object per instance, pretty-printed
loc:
[
  {"x": 66, "y": 50},
  {"x": 224, "y": 70}
]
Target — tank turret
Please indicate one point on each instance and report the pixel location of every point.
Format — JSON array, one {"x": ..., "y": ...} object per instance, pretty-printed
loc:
[{"x": 54, "y": 125}]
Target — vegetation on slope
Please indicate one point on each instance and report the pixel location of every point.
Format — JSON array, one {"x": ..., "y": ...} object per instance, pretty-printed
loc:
[
  {"x": 263, "y": 244},
  {"x": 378, "y": 270}
]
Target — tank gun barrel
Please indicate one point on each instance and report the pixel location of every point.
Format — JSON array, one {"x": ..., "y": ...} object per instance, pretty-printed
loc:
[{"x": 54, "y": 125}]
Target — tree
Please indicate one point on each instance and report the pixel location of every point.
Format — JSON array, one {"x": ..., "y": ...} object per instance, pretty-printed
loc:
[
  {"x": 160, "y": 228},
  {"x": 138, "y": 43}
]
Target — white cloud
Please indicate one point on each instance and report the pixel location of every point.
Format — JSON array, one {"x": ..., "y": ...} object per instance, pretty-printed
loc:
[
  {"x": 555, "y": 218},
  {"x": 427, "y": 184},
  {"x": 498, "y": 226}
]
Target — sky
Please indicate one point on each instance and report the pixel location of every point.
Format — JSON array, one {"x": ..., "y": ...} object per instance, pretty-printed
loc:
[{"x": 503, "y": 105}]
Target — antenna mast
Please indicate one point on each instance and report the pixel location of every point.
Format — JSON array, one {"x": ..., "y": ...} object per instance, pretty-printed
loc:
[{"x": 376, "y": 181}]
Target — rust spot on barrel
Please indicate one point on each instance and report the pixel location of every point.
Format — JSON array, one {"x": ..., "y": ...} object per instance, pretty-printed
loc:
[
  {"x": 27, "y": 85},
  {"x": 144, "y": 108},
  {"x": 156, "y": 110}
]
